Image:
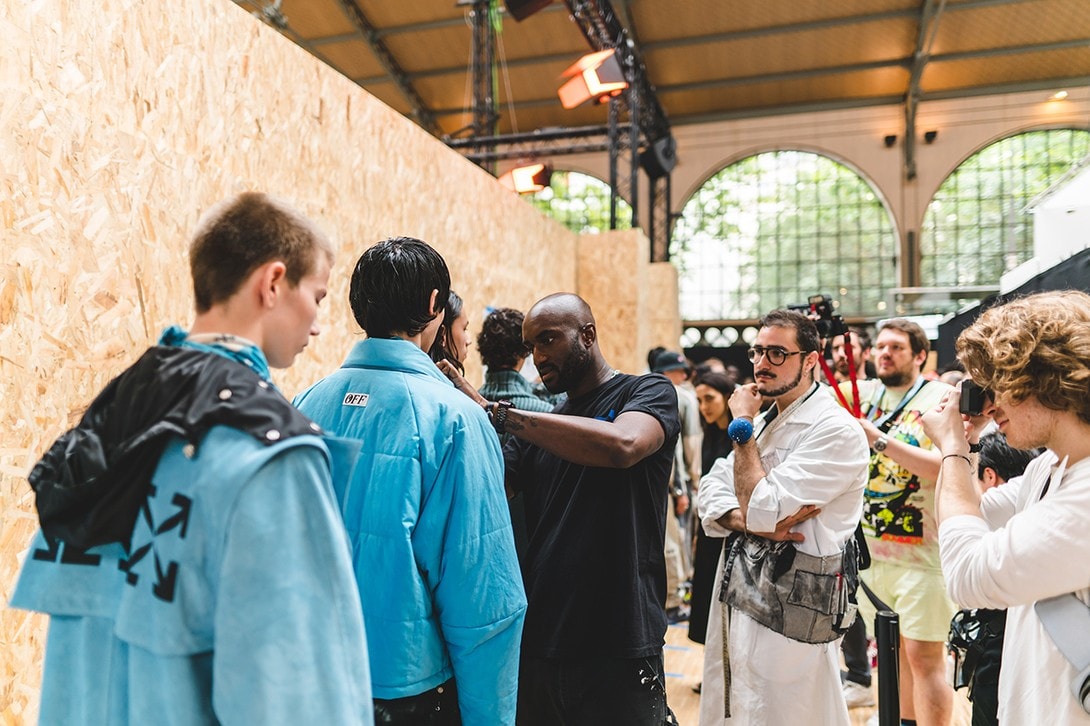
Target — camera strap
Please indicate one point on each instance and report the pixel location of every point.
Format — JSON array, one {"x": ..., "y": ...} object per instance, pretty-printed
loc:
[
  {"x": 1067, "y": 621},
  {"x": 885, "y": 423}
]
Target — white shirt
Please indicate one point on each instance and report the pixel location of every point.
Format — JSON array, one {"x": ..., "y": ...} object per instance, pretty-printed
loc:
[
  {"x": 1027, "y": 548},
  {"x": 817, "y": 454}
]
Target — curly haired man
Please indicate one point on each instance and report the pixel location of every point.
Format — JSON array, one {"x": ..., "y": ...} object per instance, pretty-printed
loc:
[{"x": 1025, "y": 542}]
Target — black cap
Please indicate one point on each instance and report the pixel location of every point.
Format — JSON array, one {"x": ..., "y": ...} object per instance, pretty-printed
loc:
[{"x": 668, "y": 360}]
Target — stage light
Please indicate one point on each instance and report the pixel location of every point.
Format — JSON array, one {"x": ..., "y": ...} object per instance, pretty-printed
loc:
[
  {"x": 1058, "y": 96},
  {"x": 528, "y": 178},
  {"x": 522, "y": 9},
  {"x": 595, "y": 76}
]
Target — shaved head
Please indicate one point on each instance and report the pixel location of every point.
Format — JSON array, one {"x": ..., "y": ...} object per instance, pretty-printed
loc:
[
  {"x": 564, "y": 307},
  {"x": 561, "y": 334}
]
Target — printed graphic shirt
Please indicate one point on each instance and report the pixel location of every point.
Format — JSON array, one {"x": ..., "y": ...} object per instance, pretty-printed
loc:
[{"x": 899, "y": 506}]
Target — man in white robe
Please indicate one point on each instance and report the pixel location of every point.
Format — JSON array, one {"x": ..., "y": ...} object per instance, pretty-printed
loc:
[{"x": 799, "y": 477}]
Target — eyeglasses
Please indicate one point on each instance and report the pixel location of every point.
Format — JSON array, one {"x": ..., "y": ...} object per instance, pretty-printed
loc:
[{"x": 775, "y": 356}]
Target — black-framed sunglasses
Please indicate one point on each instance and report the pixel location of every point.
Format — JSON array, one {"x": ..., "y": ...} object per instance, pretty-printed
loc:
[{"x": 775, "y": 356}]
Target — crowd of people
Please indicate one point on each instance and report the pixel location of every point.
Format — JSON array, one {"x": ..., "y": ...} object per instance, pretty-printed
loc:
[{"x": 395, "y": 546}]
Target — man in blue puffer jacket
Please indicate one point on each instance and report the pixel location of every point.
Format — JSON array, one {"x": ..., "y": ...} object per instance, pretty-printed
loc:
[{"x": 442, "y": 596}]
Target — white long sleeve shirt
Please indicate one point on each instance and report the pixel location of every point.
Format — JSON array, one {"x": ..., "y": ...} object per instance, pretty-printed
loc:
[
  {"x": 817, "y": 454},
  {"x": 1027, "y": 547}
]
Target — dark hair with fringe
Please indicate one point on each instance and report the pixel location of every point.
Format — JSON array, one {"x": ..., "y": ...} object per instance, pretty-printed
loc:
[
  {"x": 806, "y": 333},
  {"x": 390, "y": 291}
]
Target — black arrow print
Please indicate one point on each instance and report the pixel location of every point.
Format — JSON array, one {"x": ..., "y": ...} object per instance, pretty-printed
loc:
[
  {"x": 179, "y": 518},
  {"x": 164, "y": 588}
]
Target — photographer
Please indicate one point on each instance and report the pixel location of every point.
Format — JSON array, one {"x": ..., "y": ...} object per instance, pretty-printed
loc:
[
  {"x": 1024, "y": 543},
  {"x": 997, "y": 464}
]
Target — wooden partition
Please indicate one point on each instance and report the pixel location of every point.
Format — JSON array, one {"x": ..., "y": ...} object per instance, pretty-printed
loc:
[{"x": 120, "y": 122}]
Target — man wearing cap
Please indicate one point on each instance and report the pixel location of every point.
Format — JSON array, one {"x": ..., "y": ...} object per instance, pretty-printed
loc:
[{"x": 685, "y": 477}]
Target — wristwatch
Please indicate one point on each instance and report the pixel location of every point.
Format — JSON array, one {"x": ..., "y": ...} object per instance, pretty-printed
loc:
[
  {"x": 880, "y": 444},
  {"x": 498, "y": 413}
]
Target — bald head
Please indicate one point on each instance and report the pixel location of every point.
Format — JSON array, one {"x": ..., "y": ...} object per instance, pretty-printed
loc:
[
  {"x": 563, "y": 307},
  {"x": 561, "y": 335}
]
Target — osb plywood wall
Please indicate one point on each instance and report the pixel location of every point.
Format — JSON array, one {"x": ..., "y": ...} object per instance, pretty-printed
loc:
[
  {"x": 613, "y": 279},
  {"x": 664, "y": 325},
  {"x": 120, "y": 121}
]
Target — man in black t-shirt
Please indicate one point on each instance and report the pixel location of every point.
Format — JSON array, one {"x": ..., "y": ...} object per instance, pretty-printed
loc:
[{"x": 594, "y": 473}]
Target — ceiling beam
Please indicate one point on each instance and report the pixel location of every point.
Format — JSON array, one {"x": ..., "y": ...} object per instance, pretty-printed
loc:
[
  {"x": 784, "y": 75},
  {"x": 808, "y": 25},
  {"x": 930, "y": 13},
  {"x": 566, "y": 58},
  {"x": 1012, "y": 50},
  {"x": 451, "y": 22},
  {"x": 1048, "y": 84},
  {"x": 424, "y": 116},
  {"x": 442, "y": 24},
  {"x": 569, "y": 57},
  {"x": 807, "y": 73},
  {"x": 841, "y": 104},
  {"x": 994, "y": 89}
]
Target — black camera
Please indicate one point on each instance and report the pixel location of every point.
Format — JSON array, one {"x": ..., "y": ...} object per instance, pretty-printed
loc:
[
  {"x": 820, "y": 309},
  {"x": 973, "y": 398}
]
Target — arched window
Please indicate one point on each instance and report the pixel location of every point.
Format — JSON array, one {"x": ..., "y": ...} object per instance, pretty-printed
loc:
[
  {"x": 580, "y": 202},
  {"x": 774, "y": 229},
  {"x": 977, "y": 226}
]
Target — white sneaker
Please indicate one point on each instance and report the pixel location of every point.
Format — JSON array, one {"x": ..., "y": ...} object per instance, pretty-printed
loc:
[{"x": 857, "y": 695}]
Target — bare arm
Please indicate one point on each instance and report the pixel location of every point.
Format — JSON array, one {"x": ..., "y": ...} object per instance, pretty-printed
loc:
[
  {"x": 748, "y": 472},
  {"x": 956, "y": 491},
  {"x": 629, "y": 439},
  {"x": 924, "y": 463},
  {"x": 745, "y": 402},
  {"x": 619, "y": 444},
  {"x": 735, "y": 521}
]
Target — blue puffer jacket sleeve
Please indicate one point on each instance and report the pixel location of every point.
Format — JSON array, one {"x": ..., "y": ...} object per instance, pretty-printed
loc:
[{"x": 473, "y": 572}]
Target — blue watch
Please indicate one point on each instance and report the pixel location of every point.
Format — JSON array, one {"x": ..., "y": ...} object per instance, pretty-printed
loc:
[{"x": 740, "y": 430}]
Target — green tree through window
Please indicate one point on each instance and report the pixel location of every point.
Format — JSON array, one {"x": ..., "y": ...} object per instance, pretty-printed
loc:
[
  {"x": 976, "y": 227},
  {"x": 580, "y": 202},
  {"x": 778, "y": 227}
]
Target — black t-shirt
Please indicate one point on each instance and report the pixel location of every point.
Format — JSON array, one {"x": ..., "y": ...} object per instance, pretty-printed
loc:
[{"x": 595, "y": 572}]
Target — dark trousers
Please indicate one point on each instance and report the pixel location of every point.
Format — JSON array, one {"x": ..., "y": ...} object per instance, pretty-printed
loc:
[
  {"x": 854, "y": 648},
  {"x": 437, "y": 707},
  {"x": 985, "y": 689},
  {"x": 705, "y": 564},
  {"x": 591, "y": 692}
]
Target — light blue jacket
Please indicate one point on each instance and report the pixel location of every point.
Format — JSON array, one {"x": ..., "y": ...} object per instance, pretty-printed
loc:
[
  {"x": 431, "y": 535},
  {"x": 236, "y": 604}
]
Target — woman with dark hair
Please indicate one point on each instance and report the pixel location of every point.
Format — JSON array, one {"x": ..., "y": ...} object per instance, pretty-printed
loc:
[
  {"x": 712, "y": 391},
  {"x": 452, "y": 342}
]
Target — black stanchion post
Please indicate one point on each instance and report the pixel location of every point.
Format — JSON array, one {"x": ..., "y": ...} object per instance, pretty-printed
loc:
[{"x": 887, "y": 632}]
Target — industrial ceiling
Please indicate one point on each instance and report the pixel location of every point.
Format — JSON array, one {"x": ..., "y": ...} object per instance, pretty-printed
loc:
[{"x": 706, "y": 59}]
